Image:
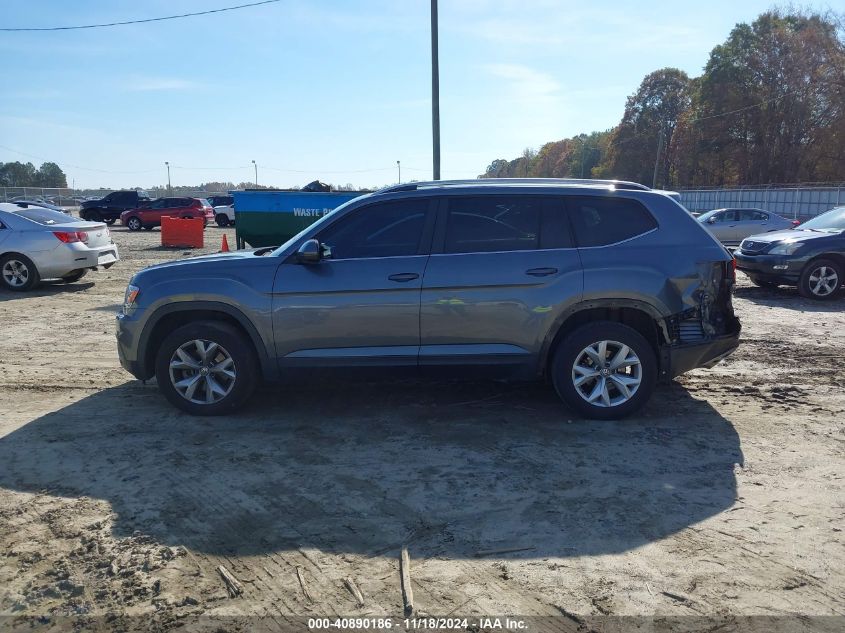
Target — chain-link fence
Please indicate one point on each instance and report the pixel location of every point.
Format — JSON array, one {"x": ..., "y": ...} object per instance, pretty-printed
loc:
[
  {"x": 59, "y": 196},
  {"x": 789, "y": 201}
]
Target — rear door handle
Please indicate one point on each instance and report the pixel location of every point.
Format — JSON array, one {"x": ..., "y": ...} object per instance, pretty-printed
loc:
[
  {"x": 541, "y": 272},
  {"x": 403, "y": 277}
]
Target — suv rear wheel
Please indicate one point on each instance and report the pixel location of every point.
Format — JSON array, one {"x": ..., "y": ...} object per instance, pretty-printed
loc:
[
  {"x": 604, "y": 370},
  {"x": 821, "y": 279},
  {"x": 206, "y": 368}
]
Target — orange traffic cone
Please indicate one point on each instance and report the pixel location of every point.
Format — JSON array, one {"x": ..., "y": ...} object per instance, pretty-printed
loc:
[{"x": 224, "y": 247}]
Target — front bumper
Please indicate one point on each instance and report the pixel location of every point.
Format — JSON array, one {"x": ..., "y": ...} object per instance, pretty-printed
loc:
[
  {"x": 779, "y": 268},
  {"x": 128, "y": 332}
]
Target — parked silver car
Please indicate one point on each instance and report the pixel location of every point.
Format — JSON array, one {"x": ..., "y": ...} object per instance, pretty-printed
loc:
[
  {"x": 38, "y": 243},
  {"x": 731, "y": 226}
]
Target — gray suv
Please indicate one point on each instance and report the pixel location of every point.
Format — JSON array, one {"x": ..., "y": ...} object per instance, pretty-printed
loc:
[{"x": 604, "y": 288}]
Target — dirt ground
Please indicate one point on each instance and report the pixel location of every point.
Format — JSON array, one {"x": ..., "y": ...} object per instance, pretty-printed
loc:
[{"x": 724, "y": 498}]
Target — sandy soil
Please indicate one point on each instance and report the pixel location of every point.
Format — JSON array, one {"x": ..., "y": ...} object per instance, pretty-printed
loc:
[{"x": 724, "y": 498}]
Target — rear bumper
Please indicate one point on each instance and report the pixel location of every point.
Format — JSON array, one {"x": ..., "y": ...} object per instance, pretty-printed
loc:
[
  {"x": 68, "y": 258},
  {"x": 683, "y": 358},
  {"x": 777, "y": 268}
]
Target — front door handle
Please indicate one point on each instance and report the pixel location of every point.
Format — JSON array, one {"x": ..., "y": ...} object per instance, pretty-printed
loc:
[
  {"x": 403, "y": 277},
  {"x": 541, "y": 272}
]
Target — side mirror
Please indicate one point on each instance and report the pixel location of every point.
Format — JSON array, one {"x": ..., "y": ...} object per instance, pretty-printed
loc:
[
  {"x": 310, "y": 252},
  {"x": 711, "y": 220}
]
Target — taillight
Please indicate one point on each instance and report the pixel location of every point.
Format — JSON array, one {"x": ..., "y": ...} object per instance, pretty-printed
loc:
[
  {"x": 732, "y": 269},
  {"x": 69, "y": 237},
  {"x": 796, "y": 222}
]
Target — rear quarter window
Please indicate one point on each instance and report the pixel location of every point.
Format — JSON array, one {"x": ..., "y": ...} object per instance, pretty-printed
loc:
[{"x": 604, "y": 221}]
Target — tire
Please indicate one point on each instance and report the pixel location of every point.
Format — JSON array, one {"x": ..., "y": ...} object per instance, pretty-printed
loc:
[
  {"x": 133, "y": 223},
  {"x": 110, "y": 222},
  {"x": 232, "y": 344},
  {"x": 18, "y": 273},
  {"x": 610, "y": 402},
  {"x": 94, "y": 216},
  {"x": 222, "y": 220},
  {"x": 764, "y": 283},
  {"x": 821, "y": 279},
  {"x": 79, "y": 274}
]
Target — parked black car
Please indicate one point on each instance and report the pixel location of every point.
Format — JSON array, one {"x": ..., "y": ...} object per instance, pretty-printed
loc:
[
  {"x": 810, "y": 256},
  {"x": 108, "y": 209}
]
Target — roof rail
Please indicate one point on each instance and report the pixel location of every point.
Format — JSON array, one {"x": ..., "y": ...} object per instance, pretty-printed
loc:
[{"x": 432, "y": 184}]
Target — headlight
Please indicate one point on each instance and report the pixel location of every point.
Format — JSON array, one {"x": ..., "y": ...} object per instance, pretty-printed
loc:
[
  {"x": 786, "y": 248},
  {"x": 129, "y": 298}
]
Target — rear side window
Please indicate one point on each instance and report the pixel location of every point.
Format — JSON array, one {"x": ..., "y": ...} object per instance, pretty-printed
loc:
[
  {"x": 749, "y": 215},
  {"x": 602, "y": 221},
  {"x": 46, "y": 217},
  {"x": 484, "y": 224},
  {"x": 391, "y": 229}
]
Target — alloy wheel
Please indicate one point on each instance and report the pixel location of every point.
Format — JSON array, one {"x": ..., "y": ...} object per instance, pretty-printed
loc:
[
  {"x": 15, "y": 273},
  {"x": 607, "y": 373},
  {"x": 823, "y": 281},
  {"x": 202, "y": 371}
]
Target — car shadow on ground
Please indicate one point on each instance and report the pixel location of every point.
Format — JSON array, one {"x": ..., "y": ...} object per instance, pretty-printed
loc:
[
  {"x": 788, "y": 297},
  {"x": 361, "y": 467},
  {"x": 47, "y": 289}
]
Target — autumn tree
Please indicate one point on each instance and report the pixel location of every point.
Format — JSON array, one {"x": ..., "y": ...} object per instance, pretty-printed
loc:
[
  {"x": 770, "y": 105},
  {"x": 644, "y": 136}
]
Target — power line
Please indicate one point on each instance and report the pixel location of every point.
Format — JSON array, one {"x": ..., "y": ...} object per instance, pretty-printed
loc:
[{"x": 161, "y": 19}]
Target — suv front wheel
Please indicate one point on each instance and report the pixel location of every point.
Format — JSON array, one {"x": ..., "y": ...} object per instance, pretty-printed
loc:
[
  {"x": 604, "y": 370},
  {"x": 206, "y": 368}
]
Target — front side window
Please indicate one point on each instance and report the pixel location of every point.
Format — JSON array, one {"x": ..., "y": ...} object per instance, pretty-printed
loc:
[
  {"x": 484, "y": 224},
  {"x": 603, "y": 221},
  {"x": 390, "y": 229}
]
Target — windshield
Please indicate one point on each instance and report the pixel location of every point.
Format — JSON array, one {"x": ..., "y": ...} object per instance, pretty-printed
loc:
[
  {"x": 831, "y": 220},
  {"x": 316, "y": 226},
  {"x": 46, "y": 217},
  {"x": 706, "y": 216}
]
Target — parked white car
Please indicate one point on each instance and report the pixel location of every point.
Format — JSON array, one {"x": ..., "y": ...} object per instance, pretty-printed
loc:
[
  {"x": 224, "y": 215},
  {"x": 37, "y": 243}
]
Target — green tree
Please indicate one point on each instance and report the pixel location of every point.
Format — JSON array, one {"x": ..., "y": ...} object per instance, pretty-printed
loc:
[
  {"x": 50, "y": 175},
  {"x": 17, "y": 174}
]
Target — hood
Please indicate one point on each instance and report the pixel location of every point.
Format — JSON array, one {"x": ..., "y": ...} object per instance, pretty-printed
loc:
[
  {"x": 792, "y": 235},
  {"x": 214, "y": 260}
]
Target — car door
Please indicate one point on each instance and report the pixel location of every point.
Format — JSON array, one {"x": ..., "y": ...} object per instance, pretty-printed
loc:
[
  {"x": 751, "y": 222},
  {"x": 359, "y": 305},
  {"x": 152, "y": 212},
  {"x": 502, "y": 269},
  {"x": 723, "y": 226},
  {"x": 5, "y": 231}
]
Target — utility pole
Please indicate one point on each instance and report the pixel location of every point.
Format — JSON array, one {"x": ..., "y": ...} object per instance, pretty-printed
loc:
[
  {"x": 169, "y": 188},
  {"x": 583, "y": 148},
  {"x": 657, "y": 158},
  {"x": 399, "y": 167},
  {"x": 435, "y": 93},
  {"x": 254, "y": 164}
]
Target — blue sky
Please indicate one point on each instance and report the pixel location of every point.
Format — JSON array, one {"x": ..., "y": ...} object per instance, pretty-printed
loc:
[{"x": 335, "y": 90}]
